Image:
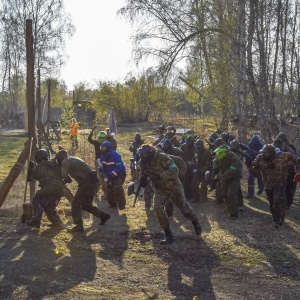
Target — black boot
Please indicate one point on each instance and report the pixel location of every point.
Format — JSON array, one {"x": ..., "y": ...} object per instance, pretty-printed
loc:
[
  {"x": 169, "y": 237},
  {"x": 33, "y": 223},
  {"x": 78, "y": 228},
  {"x": 197, "y": 226},
  {"x": 104, "y": 217}
]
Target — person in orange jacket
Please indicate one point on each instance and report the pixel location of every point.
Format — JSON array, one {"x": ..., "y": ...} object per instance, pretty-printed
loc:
[{"x": 74, "y": 129}]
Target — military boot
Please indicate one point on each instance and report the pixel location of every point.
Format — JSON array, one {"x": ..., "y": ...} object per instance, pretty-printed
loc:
[
  {"x": 197, "y": 226},
  {"x": 34, "y": 223},
  {"x": 104, "y": 218},
  {"x": 169, "y": 237},
  {"x": 78, "y": 228}
]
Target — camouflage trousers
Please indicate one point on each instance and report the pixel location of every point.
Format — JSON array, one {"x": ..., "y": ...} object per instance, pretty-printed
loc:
[
  {"x": 48, "y": 205},
  {"x": 115, "y": 192},
  {"x": 277, "y": 201},
  {"x": 83, "y": 200},
  {"x": 173, "y": 192},
  {"x": 74, "y": 140},
  {"x": 230, "y": 192}
]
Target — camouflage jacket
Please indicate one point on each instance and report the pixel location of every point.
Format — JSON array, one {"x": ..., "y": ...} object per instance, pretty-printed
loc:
[
  {"x": 275, "y": 172},
  {"x": 230, "y": 166},
  {"x": 76, "y": 168},
  {"x": 180, "y": 164},
  {"x": 48, "y": 173},
  {"x": 162, "y": 171}
]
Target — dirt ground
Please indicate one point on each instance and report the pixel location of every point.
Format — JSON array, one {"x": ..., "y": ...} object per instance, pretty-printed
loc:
[{"x": 245, "y": 258}]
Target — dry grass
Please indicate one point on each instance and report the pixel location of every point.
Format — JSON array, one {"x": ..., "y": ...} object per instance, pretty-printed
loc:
[{"x": 242, "y": 259}]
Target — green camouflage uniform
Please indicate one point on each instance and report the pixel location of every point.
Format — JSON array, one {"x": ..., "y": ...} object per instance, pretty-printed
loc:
[
  {"x": 87, "y": 187},
  {"x": 231, "y": 172},
  {"x": 275, "y": 176},
  {"x": 163, "y": 173},
  {"x": 46, "y": 199}
]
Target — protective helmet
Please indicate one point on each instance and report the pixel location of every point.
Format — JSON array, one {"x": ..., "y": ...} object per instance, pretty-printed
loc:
[
  {"x": 225, "y": 136},
  {"x": 167, "y": 145},
  {"x": 41, "y": 154},
  {"x": 105, "y": 147},
  {"x": 199, "y": 145},
  {"x": 268, "y": 152},
  {"x": 278, "y": 143},
  {"x": 235, "y": 144},
  {"x": 102, "y": 137},
  {"x": 283, "y": 137},
  {"x": 185, "y": 135},
  {"x": 146, "y": 153},
  {"x": 190, "y": 140},
  {"x": 218, "y": 142},
  {"x": 137, "y": 136},
  {"x": 213, "y": 137},
  {"x": 171, "y": 129},
  {"x": 61, "y": 155},
  {"x": 161, "y": 128},
  {"x": 221, "y": 152}
]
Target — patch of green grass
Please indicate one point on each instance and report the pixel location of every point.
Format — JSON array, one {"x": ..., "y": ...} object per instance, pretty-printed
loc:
[{"x": 10, "y": 148}]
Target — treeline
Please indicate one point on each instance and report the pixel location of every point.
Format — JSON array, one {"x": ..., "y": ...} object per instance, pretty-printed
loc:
[{"x": 233, "y": 59}]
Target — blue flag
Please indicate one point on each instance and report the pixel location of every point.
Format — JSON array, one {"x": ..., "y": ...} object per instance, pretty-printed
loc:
[{"x": 111, "y": 122}]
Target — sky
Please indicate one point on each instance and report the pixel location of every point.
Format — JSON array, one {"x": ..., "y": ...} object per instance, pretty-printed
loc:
[{"x": 101, "y": 47}]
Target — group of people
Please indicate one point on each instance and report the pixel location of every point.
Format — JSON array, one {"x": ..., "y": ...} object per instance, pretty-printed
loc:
[{"x": 172, "y": 171}]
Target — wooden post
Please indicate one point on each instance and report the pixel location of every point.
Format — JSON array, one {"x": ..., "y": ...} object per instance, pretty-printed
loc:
[
  {"x": 49, "y": 105},
  {"x": 39, "y": 105},
  {"x": 30, "y": 99}
]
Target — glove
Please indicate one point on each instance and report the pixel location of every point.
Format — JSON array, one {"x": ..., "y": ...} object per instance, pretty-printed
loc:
[
  {"x": 143, "y": 181},
  {"x": 67, "y": 180}
]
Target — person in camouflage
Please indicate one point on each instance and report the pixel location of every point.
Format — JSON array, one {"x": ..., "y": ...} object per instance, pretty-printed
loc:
[
  {"x": 178, "y": 156},
  {"x": 291, "y": 184},
  {"x": 168, "y": 148},
  {"x": 170, "y": 135},
  {"x": 202, "y": 160},
  {"x": 138, "y": 141},
  {"x": 161, "y": 131},
  {"x": 51, "y": 189},
  {"x": 163, "y": 174},
  {"x": 189, "y": 151},
  {"x": 230, "y": 173},
  {"x": 274, "y": 168},
  {"x": 87, "y": 187}
]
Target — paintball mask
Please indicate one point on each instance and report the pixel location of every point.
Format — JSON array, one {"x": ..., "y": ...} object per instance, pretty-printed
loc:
[
  {"x": 105, "y": 147},
  {"x": 102, "y": 137},
  {"x": 146, "y": 153},
  {"x": 190, "y": 141},
  {"x": 221, "y": 152},
  {"x": 137, "y": 137},
  {"x": 167, "y": 145},
  {"x": 199, "y": 146},
  {"x": 268, "y": 153},
  {"x": 40, "y": 155}
]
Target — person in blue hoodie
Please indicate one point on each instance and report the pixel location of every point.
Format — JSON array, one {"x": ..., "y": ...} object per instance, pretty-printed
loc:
[
  {"x": 255, "y": 146},
  {"x": 113, "y": 171}
]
